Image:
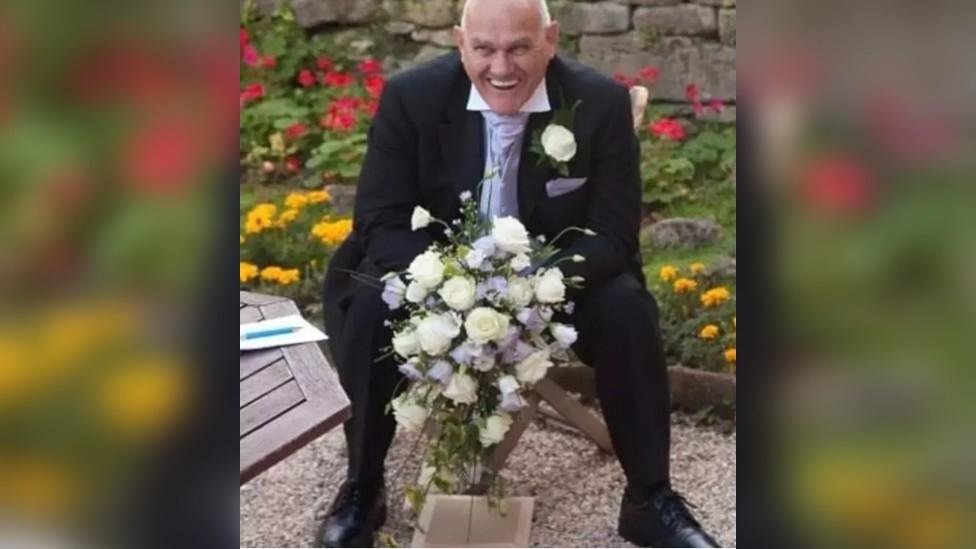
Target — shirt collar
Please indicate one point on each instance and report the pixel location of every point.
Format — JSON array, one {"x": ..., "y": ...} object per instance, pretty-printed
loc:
[{"x": 538, "y": 101}]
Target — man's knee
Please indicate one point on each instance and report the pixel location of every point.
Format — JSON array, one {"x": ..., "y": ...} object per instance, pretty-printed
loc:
[{"x": 624, "y": 300}]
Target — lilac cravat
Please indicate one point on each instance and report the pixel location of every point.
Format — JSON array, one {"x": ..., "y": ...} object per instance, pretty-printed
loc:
[{"x": 499, "y": 193}]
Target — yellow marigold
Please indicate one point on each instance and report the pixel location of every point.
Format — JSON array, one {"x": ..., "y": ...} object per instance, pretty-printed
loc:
[
  {"x": 288, "y": 276},
  {"x": 296, "y": 200},
  {"x": 315, "y": 197},
  {"x": 271, "y": 273},
  {"x": 697, "y": 268},
  {"x": 287, "y": 216},
  {"x": 668, "y": 273},
  {"x": 715, "y": 296},
  {"x": 683, "y": 285},
  {"x": 332, "y": 233},
  {"x": 710, "y": 331},
  {"x": 730, "y": 355},
  {"x": 248, "y": 271},
  {"x": 259, "y": 218}
]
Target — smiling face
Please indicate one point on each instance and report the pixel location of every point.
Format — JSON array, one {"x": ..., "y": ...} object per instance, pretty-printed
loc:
[{"x": 505, "y": 49}]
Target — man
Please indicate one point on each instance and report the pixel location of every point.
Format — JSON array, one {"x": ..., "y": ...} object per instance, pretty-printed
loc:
[{"x": 439, "y": 129}]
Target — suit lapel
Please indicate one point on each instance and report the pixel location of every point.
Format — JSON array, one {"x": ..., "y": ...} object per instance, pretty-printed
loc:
[
  {"x": 462, "y": 139},
  {"x": 532, "y": 175}
]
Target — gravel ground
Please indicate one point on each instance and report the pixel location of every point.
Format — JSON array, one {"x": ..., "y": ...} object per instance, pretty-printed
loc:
[{"x": 577, "y": 489}]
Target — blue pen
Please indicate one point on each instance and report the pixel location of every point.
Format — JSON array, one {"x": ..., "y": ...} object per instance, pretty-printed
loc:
[{"x": 271, "y": 332}]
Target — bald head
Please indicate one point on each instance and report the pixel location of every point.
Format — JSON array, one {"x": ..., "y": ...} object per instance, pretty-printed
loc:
[
  {"x": 506, "y": 46},
  {"x": 539, "y": 6}
]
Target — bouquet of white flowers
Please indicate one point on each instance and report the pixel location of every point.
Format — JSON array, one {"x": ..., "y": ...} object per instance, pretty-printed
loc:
[{"x": 478, "y": 332}]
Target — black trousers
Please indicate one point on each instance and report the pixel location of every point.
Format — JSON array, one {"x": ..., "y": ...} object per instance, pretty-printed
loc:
[{"x": 619, "y": 336}]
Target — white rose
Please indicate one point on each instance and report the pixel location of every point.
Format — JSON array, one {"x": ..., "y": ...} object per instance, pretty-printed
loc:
[
  {"x": 462, "y": 389},
  {"x": 510, "y": 235},
  {"x": 419, "y": 219},
  {"x": 549, "y": 287},
  {"x": 519, "y": 262},
  {"x": 566, "y": 335},
  {"x": 559, "y": 142},
  {"x": 458, "y": 293},
  {"x": 416, "y": 293},
  {"x": 435, "y": 333},
  {"x": 406, "y": 344},
  {"x": 494, "y": 430},
  {"x": 427, "y": 269},
  {"x": 409, "y": 414},
  {"x": 519, "y": 292},
  {"x": 533, "y": 367},
  {"x": 485, "y": 324}
]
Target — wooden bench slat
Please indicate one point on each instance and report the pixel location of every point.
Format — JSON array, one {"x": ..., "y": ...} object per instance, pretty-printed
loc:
[
  {"x": 270, "y": 406},
  {"x": 264, "y": 382},
  {"x": 254, "y": 361}
]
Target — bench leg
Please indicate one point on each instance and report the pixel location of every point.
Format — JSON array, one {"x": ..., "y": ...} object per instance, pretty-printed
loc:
[{"x": 575, "y": 413}]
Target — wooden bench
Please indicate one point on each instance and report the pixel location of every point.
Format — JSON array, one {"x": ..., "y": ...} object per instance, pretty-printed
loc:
[{"x": 289, "y": 395}]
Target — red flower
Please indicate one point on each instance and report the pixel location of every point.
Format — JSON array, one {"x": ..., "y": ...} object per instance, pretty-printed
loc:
[
  {"x": 252, "y": 92},
  {"x": 691, "y": 92},
  {"x": 268, "y": 61},
  {"x": 295, "y": 131},
  {"x": 667, "y": 128},
  {"x": 162, "y": 156},
  {"x": 374, "y": 85},
  {"x": 324, "y": 63},
  {"x": 625, "y": 80},
  {"x": 370, "y": 66},
  {"x": 371, "y": 107},
  {"x": 339, "y": 121},
  {"x": 837, "y": 184},
  {"x": 716, "y": 105},
  {"x": 293, "y": 164},
  {"x": 250, "y": 55},
  {"x": 698, "y": 107},
  {"x": 649, "y": 74},
  {"x": 337, "y": 79},
  {"x": 306, "y": 79},
  {"x": 244, "y": 38}
]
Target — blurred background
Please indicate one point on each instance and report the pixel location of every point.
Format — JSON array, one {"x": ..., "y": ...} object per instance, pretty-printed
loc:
[
  {"x": 862, "y": 127},
  {"x": 117, "y": 135},
  {"x": 117, "y": 157}
]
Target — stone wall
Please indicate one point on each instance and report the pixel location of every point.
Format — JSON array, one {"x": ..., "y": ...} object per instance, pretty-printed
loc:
[{"x": 690, "y": 41}]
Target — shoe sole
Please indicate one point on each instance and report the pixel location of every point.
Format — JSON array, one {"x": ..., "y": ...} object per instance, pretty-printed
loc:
[{"x": 638, "y": 538}]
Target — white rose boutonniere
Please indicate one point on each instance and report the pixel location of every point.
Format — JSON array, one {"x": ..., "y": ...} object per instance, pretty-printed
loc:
[{"x": 556, "y": 143}]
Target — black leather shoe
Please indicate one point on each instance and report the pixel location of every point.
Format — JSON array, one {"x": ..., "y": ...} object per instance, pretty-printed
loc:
[
  {"x": 662, "y": 520},
  {"x": 354, "y": 517}
]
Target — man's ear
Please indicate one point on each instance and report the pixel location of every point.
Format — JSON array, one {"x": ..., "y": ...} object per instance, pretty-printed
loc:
[
  {"x": 459, "y": 37},
  {"x": 552, "y": 36}
]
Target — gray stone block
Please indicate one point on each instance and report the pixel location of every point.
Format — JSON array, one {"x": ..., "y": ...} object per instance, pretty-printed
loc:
[
  {"x": 426, "y": 13},
  {"x": 438, "y": 37},
  {"x": 686, "y": 19},
  {"x": 598, "y": 18},
  {"x": 649, "y": 2},
  {"x": 681, "y": 60},
  {"x": 681, "y": 232},
  {"x": 716, "y": 3},
  {"x": 726, "y": 26},
  {"x": 399, "y": 28},
  {"x": 309, "y": 13}
]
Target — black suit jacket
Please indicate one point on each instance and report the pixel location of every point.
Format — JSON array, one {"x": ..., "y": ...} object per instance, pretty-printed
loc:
[{"x": 425, "y": 148}]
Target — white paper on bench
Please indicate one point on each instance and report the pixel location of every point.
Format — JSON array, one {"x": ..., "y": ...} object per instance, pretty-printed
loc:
[{"x": 305, "y": 334}]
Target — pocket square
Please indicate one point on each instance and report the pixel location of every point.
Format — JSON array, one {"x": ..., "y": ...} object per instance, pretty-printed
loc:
[{"x": 563, "y": 185}]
